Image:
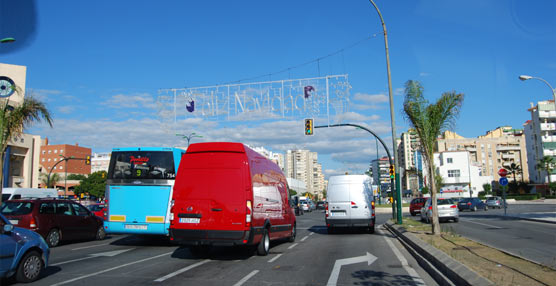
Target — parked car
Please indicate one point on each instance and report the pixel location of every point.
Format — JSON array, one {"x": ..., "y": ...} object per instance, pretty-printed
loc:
[
  {"x": 472, "y": 204},
  {"x": 227, "y": 194},
  {"x": 350, "y": 203},
  {"x": 320, "y": 205},
  {"x": 98, "y": 209},
  {"x": 415, "y": 205},
  {"x": 55, "y": 220},
  {"x": 447, "y": 210},
  {"x": 24, "y": 253},
  {"x": 494, "y": 202}
]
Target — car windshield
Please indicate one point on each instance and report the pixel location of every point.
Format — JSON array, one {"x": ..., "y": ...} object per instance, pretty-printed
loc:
[{"x": 16, "y": 208}]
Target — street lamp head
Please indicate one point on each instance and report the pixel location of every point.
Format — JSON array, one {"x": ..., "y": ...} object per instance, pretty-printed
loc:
[
  {"x": 7, "y": 40},
  {"x": 525, "y": 77}
]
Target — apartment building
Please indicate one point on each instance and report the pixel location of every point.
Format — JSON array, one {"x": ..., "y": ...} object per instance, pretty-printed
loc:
[
  {"x": 51, "y": 155},
  {"x": 303, "y": 165},
  {"x": 277, "y": 158},
  {"x": 410, "y": 162},
  {"x": 540, "y": 135},
  {"x": 381, "y": 174},
  {"x": 100, "y": 162},
  {"x": 460, "y": 176},
  {"x": 496, "y": 149}
]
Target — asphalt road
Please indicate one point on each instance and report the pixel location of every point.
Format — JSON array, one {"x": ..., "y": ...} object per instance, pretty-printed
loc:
[
  {"x": 532, "y": 240},
  {"x": 315, "y": 258}
]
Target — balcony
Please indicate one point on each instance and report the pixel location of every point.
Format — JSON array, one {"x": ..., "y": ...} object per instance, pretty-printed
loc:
[
  {"x": 507, "y": 148},
  {"x": 548, "y": 126},
  {"x": 547, "y": 114},
  {"x": 548, "y": 138}
]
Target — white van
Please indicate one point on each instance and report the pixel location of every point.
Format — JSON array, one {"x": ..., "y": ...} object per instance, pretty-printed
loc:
[
  {"x": 22, "y": 193},
  {"x": 350, "y": 202}
]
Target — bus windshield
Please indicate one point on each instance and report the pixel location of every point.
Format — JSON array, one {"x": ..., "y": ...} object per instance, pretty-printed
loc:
[{"x": 134, "y": 165}]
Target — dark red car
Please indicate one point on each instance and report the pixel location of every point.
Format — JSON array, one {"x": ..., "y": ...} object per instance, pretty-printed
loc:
[
  {"x": 54, "y": 219},
  {"x": 415, "y": 205},
  {"x": 98, "y": 209}
]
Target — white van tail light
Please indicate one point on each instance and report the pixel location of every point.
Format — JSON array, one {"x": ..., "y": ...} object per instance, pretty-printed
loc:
[
  {"x": 373, "y": 208},
  {"x": 248, "y": 214}
]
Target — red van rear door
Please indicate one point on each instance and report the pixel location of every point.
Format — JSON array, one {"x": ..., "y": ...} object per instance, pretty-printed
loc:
[{"x": 212, "y": 191}]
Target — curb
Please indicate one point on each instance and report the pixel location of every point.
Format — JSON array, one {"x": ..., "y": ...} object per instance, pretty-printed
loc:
[
  {"x": 458, "y": 273},
  {"x": 524, "y": 218}
]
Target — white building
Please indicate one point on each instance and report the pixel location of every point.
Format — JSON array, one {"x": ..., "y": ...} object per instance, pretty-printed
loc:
[
  {"x": 100, "y": 162},
  {"x": 458, "y": 174},
  {"x": 277, "y": 158},
  {"x": 381, "y": 174},
  {"x": 297, "y": 185},
  {"x": 303, "y": 165},
  {"x": 540, "y": 136}
]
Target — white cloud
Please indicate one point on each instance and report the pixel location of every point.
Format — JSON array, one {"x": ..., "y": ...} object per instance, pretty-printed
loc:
[
  {"x": 354, "y": 116},
  {"x": 66, "y": 109},
  {"x": 43, "y": 95},
  {"x": 424, "y": 74},
  {"x": 137, "y": 100}
]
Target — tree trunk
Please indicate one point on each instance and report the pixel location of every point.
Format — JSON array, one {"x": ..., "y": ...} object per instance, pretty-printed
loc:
[{"x": 435, "y": 225}]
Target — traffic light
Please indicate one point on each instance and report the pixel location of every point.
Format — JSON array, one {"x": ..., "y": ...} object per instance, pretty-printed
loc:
[
  {"x": 392, "y": 174},
  {"x": 309, "y": 126},
  {"x": 88, "y": 160}
]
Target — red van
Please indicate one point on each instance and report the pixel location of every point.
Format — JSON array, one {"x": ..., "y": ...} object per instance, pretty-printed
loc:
[{"x": 227, "y": 194}]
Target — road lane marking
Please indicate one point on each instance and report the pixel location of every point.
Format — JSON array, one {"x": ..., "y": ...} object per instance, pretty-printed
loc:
[
  {"x": 333, "y": 279},
  {"x": 292, "y": 246},
  {"x": 85, "y": 247},
  {"x": 491, "y": 226},
  {"x": 311, "y": 233},
  {"x": 110, "y": 269},
  {"x": 182, "y": 270},
  {"x": 303, "y": 239},
  {"x": 274, "y": 258},
  {"x": 240, "y": 282},
  {"x": 107, "y": 254},
  {"x": 414, "y": 275}
]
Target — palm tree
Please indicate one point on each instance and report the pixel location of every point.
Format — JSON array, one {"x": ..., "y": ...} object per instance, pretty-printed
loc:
[
  {"x": 429, "y": 120},
  {"x": 513, "y": 168},
  {"x": 14, "y": 119},
  {"x": 547, "y": 164},
  {"x": 54, "y": 179}
]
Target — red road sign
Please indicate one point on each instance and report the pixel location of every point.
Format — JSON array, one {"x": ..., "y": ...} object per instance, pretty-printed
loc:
[{"x": 502, "y": 172}]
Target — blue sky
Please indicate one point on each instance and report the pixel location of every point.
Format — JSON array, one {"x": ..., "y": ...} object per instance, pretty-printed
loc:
[{"x": 98, "y": 65}]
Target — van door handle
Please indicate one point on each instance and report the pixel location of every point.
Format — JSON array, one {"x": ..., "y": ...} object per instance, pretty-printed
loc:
[
  {"x": 354, "y": 207},
  {"x": 217, "y": 210}
]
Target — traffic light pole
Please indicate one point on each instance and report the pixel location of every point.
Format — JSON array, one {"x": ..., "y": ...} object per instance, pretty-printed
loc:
[{"x": 396, "y": 211}]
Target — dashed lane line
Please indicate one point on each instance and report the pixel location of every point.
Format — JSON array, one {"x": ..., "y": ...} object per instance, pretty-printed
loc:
[
  {"x": 292, "y": 246},
  {"x": 303, "y": 239},
  {"x": 244, "y": 279},
  {"x": 110, "y": 269},
  {"x": 274, "y": 258},
  {"x": 161, "y": 279}
]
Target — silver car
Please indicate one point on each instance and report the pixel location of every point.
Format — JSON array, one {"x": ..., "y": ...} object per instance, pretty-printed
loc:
[
  {"x": 447, "y": 210},
  {"x": 495, "y": 202}
]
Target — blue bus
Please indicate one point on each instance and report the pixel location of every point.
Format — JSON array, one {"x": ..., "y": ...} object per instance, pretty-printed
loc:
[{"x": 139, "y": 189}]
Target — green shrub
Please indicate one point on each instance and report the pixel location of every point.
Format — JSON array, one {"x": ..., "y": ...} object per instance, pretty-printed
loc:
[{"x": 524, "y": 197}]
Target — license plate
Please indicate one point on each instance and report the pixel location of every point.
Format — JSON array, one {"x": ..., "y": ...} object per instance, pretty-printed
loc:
[
  {"x": 338, "y": 214},
  {"x": 136, "y": 226},
  {"x": 14, "y": 221},
  {"x": 189, "y": 220}
]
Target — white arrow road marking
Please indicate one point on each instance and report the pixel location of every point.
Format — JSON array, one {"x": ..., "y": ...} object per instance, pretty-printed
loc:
[
  {"x": 369, "y": 258},
  {"x": 107, "y": 254},
  {"x": 181, "y": 270}
]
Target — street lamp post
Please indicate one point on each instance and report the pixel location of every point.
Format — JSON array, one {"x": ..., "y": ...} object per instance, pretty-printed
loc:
[
  {"x": 189, "y": 137},
  {"x": 527, "y": 77},
  {"x": 396, "y": 164},
  {"x": 64, "y": 159}
]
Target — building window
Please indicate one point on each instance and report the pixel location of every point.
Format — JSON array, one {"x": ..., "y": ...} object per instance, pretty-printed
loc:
[
  {"x": 54, "y": 168},
  {"x": 449, "y": 160},
  {"x": 54, "y": 159},
  {"x": 61, "y": 167},
  {"x": 49, "y": 151},
  {"x": 61, "y": 151},
  {"x": 453, "y": 173},
  {"x": 43, "y": 159},
  {"x": 55, "y": 151},
  {"x": 43, "y": 151},
  {"x": 48, "y": 159}
]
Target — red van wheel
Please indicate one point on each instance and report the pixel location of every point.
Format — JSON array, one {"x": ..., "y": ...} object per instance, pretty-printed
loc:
[
  {"x": 264, "y": 245},
  {"x": 293, "y": 234}
]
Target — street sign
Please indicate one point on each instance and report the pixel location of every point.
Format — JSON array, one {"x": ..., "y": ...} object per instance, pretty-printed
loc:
[
  {"x": 503, "y": 181},
  {"x": 502, "y": 172}
]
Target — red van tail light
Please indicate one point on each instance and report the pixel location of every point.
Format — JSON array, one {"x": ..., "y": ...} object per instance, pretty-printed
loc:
[
  {"x": 353, "y": 203},
  {"x": 326, "y": 212},
  {"x": 32, "y": 223},
  {"x": 248, "y": 214}
]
